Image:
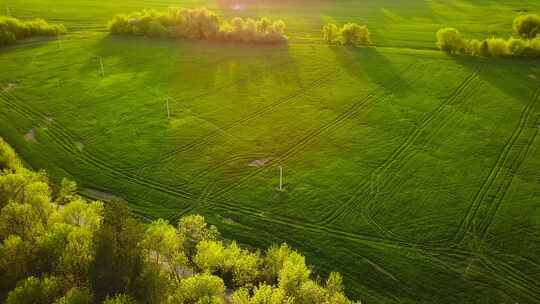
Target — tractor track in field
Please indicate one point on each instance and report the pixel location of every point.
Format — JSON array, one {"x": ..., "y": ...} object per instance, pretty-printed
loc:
[
  {"x": 514, "y": 278},
  {"x": 253, "y": 115},
  {"x": 66, "y": 141},
  {"x": 374, "y": 95},
  {"x": 402, "y": 153},
  {"x": 505, "y": 167}
]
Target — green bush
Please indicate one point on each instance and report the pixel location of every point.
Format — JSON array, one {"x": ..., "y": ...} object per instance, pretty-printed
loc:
[
  {"x": 449, "y": 40},
  {"x": 200, "y": 24},
  {"x": 517, "y": 47},
  {"x": 331, "y": 33},
  {"x": 355, "y": 34},
  {"x": 13, "y": 29},
  {"x": 350, "y": 34},
  {"x": 527, "y": 26},
  {"x": 498, "y": 47}
]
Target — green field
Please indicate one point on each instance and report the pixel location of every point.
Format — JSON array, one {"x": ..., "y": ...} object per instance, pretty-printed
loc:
[{"x": 413, "y": 173}]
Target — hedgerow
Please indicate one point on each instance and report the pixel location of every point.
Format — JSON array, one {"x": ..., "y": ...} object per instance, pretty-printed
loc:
[
  {"x": 525, "y": 45},
  {"x": 13, "y": 29},
  {"x": 350, "y": 34},
  {"x": 200, "y": 24}
]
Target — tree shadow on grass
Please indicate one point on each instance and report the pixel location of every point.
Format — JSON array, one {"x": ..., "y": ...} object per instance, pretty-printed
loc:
[
  {"x": 516, "y": 78},
  {"x": 370, "y": 63},
  {"x": 187, "y": 69}
]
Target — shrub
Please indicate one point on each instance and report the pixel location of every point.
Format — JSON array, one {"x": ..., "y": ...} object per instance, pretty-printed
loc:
[
  {"x": 331, "y": 32},
  {"x": 527, "y": 26},
  {"x": 199, "y": 23},
  {"x": 449, "y": 40},
  {"x": 517, "y": 47},
  {"x": 13, "y": 29},
  {"x": 498, "y": 47},
  {"x": 355, "y": 34}
]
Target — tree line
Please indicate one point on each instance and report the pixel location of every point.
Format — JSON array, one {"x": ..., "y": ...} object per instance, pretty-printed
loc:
[
  {"x": 198, "y": 23},
  {"x": 58, "y": 247},
  {"x": 13, "y": 29},
  {"x": 348, "y": 34},
  {"x": 524, "y": 44}
]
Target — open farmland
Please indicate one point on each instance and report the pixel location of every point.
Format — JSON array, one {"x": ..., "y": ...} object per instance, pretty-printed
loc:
[{"x": 413, "y": 173}]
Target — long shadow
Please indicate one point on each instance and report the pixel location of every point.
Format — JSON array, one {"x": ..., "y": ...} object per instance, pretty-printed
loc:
[
  {"x": 517, "y": 78},
  {"x": 369, "y": 62}
]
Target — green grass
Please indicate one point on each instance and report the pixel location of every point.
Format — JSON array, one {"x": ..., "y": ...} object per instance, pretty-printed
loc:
[{"x": 413, "y": 173}]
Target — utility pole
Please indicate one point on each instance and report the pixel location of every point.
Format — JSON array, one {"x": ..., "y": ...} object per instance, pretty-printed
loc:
[
  {"x": 168, "y": 110},
  {"x": 101, "y": 65},
  {"x": 280, "y": 178}
]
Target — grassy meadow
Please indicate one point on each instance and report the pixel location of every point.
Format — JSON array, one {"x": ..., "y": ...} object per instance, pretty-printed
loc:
[{"x": 413, "y": 173}]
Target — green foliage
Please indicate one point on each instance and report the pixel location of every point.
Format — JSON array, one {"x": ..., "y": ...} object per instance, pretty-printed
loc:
[
  {"x": 210, "y": 256},
  {"x": 118, "y": 260},
  {"x": 120, "y": 299},
  {"x": 331, "y": 33},
  {"x": 99, "y": 253},
  {"x": 354, "y": 34},
  {"x": 8, "y": 157},
  {"x": 13, "y": 29},
  {"x": 273, "y": 261},
  {"x": 243, "y": 264},
  {"x": 35, "y": 291},
  {"x": 194, "y": 229},
  {"x": 293, "y": 274},
  {"x": 76, "y": 296},
  {"x": 527, "y": 26},
  {"x": 262, "y": 294},
  {"x": 497, "y": 47},
  {"x": 200, "y": 24},
  {"x": 67, "y": 192},
  {"x": 349, "y": 34},
  {"x": 199, "y": 289},
  {"x": 449, "y": 40}
]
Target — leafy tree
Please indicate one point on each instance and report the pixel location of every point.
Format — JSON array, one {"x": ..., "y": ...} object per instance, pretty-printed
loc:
[
  {"x": 334, "y": 283},
  {"x": 78, "y": 255},
  {"x": 35, "y": 291},
  {"x": 118, "y": 259},
  {"x": 354, "y": 34},
  {"x": 527, "y": 26},
  {"x": 67, "y": 192},
  {"x": 450, "y": 41},
  {"x": 162, "y": 245},
  {"x": 243, "y": 264},
  {"x": 200, "y": 289},
  {"x": 331, "y": 33},
  {"x": 517, "y": 47},
  {"x": 21, "y": 220},
  {"x": 81, "y": 214},
  {"x": 210, "y": 256},
  {"x": 76, "y": 296},
  {"x": 15, "y": 262},
  {"x": 274, "y": 260},
  {"x": 194, "y": 229},
  {"x": 310, "y": 292},
  {"x": 293, "y": 274},
  {"x": 498, "y": 47},
  {"x": 263, "y": 294},
  {"x": 120, "y": 299}
]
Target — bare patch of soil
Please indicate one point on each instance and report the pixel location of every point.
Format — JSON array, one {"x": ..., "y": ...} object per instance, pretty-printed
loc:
[
  {"x": 259, "y": 162},
  {"x": 30, "y": 135}
]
